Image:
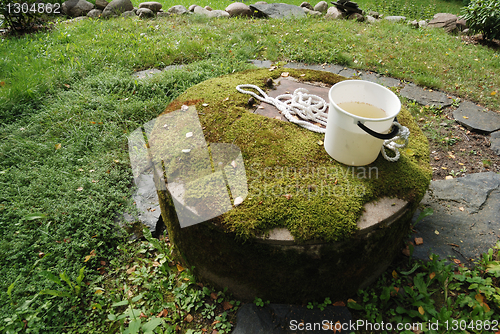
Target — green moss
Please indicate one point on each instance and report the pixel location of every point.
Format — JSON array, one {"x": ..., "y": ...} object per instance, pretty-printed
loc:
[{"x": 292, "y": 181}]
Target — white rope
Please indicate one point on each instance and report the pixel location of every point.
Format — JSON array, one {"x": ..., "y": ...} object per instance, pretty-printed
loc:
[
  {"x": 313, "y": 108},
  {"x": 391, "y": 144},
  {"x": 300, "y": 103}
]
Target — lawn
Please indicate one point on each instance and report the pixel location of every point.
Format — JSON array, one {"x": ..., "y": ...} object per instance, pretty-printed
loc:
[{"x": 68, "y": 101}]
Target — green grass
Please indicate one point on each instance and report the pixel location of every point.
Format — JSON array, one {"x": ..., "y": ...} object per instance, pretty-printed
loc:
[{"x": 68, "y": 102}]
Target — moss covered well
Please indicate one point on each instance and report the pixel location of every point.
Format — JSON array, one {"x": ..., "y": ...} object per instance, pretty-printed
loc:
[{"x": 292, "y": 181}]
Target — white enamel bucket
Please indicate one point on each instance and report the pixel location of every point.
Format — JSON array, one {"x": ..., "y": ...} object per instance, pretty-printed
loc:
[{"x": 355, "y": 140}]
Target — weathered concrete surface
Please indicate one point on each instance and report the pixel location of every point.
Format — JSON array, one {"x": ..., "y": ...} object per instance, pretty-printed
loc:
[
  {"x": 426, "y": 97},
  {"x": 466, "y": 219}
]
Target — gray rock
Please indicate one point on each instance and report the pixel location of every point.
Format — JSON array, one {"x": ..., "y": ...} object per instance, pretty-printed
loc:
[
  {"x": 277, "y": 11},
  {"x": 332, "y": 68},
  {"x": 178, "y": 10},
  {"x": 461, "y": 24},
  {"x": 425, "y": 97},
  {"x": 76, "y": 19},
  {"x": 333, "y": 13},
  {"x": 76, "y": 8},
  {"x": 313, "y": 12},
  {"x": 192, "y": 7},
  {"x": 218, "y": 13},
  {"x": 444, "y": 20},
  {"x": 144, "y": 13},
  {"x": 262, "y": 63},
  {"x": 101, "y": 4},
  {"x": 374, "y": 14},
  {"x": 495, "y": 142},
  {"x": 476, "y": 118},
  {"x": 214, "y": 13},
  {"x": 413, "y": 23},
  {"x": 356, "y": 16},
  {"x": 239, "y": 9},
  {"x": 129, "y": 13},
  {"x": 276, "y": 318},
  {"x": 94, "y": 13},
  {"x": 261, "y": 3},
  {"x": 465, "y": 217},
  {"x": 307, "y": 5},
  {"x": 321, "y": 6},
  {"x": 422, "y": 23},
  {"x": 117, "y": 7},
  {"x": 380, "y": 79},
  {"x": 162, "y": 14},
  {"x": 208, "y": 8},
  {"x": 370, "y": 19},
  {"x": 395, "y": 18},
  {"x": 152, "y": 5}
]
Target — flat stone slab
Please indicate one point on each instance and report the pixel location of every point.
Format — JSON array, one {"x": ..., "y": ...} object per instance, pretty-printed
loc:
[
  {"x": 476, "y": 118},
  {"x": 379, "y": 79},
  {"x": 495, "y": 142},
  {"x": 466, "y": 220},
  {"x": 332, "y": 68},
  {"x": 262, "y": 63},
  {"x": 277, "y": 10},
  {"x": 284, "y": 319},
  {"x": 426, "y": 97}
]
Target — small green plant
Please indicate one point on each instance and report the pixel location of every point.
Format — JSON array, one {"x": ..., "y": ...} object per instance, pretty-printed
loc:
[
  {"x": 483, "y": 16},
  {"x": 71, "y": 289},
  {"x": 259, "y": 302},
  {"x": 487, "y": 163}
]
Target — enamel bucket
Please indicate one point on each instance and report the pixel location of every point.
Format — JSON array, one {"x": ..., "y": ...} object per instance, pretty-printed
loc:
[{"x": 354, "y": 140}]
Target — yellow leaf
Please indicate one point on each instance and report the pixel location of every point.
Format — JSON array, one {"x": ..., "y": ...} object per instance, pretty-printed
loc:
[
  {"x": 394, "y": 274},
  {"x": 432, "y": 275},
  {"x": 179, "y": 267},
  {"x": 99, "y": 292},
  {"x": 436, "y": 232},
  {"x": 79, "y": 189},
  {"x": 465, "y": 117},
  {"x": 479, "y": 298},
  {"x": 493, "y": 93},
  {"x": 91, "y": 255},
  {"x": 58, "y": 146},
  {"x": 421, "y": 310}
]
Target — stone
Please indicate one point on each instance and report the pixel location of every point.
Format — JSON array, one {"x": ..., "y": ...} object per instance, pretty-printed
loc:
[
  {"x": 117, "y": 7},
  {"x": 465, "y": 215},
  {"x": 101, "y": 4},
  {"x": 218, "y": 13},
  {"x": 444, "y": 20},
  {"x": 94, "y": 13},
  {"x": 413, "y": 23},
  {"x": 152, "y": 5},
  {"x": 214, "y": 13},
  {"x": 333, "y": 13},
  {"x": 370, "y": 19},
  {"x": 239, "y": 9},
  {"x": 395, "y": 18},
  {"x": 277, "y": 11},
  {"x": 495, "y": 142},
  {"x": 374, "y": 14},
  {"x": 261, "y": 3},
  {"x": 422, "y": 23},
  {"x": 145, "y": 13},
  {"x": 76, "y": 19},
  {"x": 306, "y": 5},
  {"x": 129, "y": 13},
  {"x": 135, "y": 10},
  {"x": 192, "y": 7},
  {"x": 426, "y": 97},
  {"x": 313, "y": 12},
  {"x": 279, "y": 318},
  {"x": 76, "y": 8},
  {"x": 461, "y": 24},
  {"x": 262, "y": 63},
  {"x": 321, "y": 6},
  {"x": 162, "y": 14},
  {"x": 178, "y": 10},
  {"x": 356, "y": 16},
  {"x": 208, "y": 8},
  {"x": 476, "y": 118},
  {"x": 380, "y": 79}
]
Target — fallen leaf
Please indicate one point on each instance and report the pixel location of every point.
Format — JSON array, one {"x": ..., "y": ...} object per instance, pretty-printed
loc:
[
  {"x": 99, "y": 292},
  {"x": 457, "y": 261},
  {"x": 287, "y": 196},
  {"x": 213, "y": 295},
  {"x": 163, "y": 313},
  {"x": 143, "y": 315},
  {"x": 58, "y": 146},
  {"x": 233, "y": 163},
  {"x": 41, "y": 254},
  {"x": 91, "y": 255},
  {"x": 285, "y": 74},
  {"x": 2, "y": 83},
  {"x": 493, "y": 93},
  {"x": 421, "y": 310},
  {"x": 339, "y": 303},
  {"x": 156, "y": 264},
  {"x": 205, "y": 104},
  {"x": 103, "y": 263},
  {"x": 131, "y": 270},
  {"x": 320, "y": 142},
  {"x": 95, "y": 181},
  {"x": 189, "y": 135},
  {"x": 79, "y": 189},
  {"x": 394, "y": 274},
  {"x": 226, "y": 305},
  {"x": 180, "y": 268},
  {"x": 436, "y": 232},
  {"x": 461, "y": 208},
  {"x": 465, "y": 117},
  {"x": 184, "y": 107},
  {"x": 444, "y": 168},
  {"x": 448, "y": 177},
  {"x": 189, "y": 318},
  {"x": 432, "y": 275},
  {"x": 67, "y": 86},
  {"x": 302, "y": 75},
  {"x": 238, "y": 200},
  {"x": 419, "y": 241}
]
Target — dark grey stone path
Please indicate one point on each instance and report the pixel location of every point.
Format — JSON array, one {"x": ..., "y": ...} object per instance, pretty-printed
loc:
[
  {"x": 285, "y": 319},
  {"x": 476, "y": 118}
]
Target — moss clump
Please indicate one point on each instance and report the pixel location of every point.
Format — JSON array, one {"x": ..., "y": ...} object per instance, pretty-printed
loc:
[{"x": 292, "y": 181}]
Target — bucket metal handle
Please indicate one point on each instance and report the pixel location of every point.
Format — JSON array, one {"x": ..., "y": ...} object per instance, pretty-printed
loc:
[{"x": 384, "y": 136}]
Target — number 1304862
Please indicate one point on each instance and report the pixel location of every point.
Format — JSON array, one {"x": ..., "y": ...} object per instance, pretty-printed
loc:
[{"x": 40, "y": 8}]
